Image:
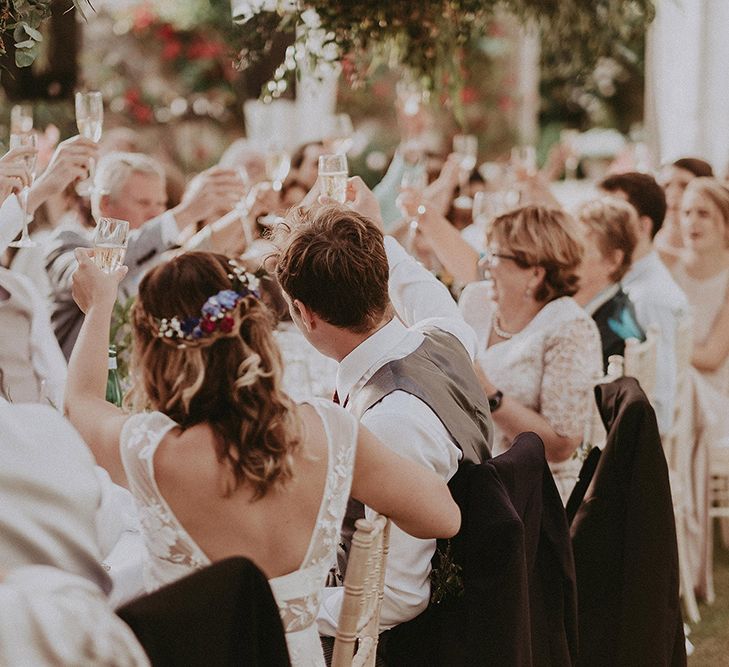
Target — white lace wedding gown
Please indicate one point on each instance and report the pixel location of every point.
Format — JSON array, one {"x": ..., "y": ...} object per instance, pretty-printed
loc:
[{"x": 172, "y": 553}]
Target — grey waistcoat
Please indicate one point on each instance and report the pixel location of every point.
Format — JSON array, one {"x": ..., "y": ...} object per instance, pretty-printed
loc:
[{"x": 440, "y": 373}]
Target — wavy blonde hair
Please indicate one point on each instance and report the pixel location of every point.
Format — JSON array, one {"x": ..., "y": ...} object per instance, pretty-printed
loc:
[
  {"x": 541, "y": 236},
  {"x": 231, "y": 381}
]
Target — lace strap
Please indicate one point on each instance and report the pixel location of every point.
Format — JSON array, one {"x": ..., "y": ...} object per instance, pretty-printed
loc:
[
  {"x": 140, "y": 436},
  {"x": 341, "y": 430}
]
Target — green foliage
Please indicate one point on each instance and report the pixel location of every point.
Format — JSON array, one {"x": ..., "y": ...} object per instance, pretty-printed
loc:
[
  {"x": 429, "y": 37},
  {"x": 23, "y": 18}
]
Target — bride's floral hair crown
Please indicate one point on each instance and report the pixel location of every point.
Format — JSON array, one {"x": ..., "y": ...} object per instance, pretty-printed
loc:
[{"x": 216, "y": 313}]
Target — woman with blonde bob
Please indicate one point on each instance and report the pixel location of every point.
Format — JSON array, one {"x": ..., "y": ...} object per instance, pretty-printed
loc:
[
  {"x": 224, "y": 463},
  {"x": 539, "y": 351}
]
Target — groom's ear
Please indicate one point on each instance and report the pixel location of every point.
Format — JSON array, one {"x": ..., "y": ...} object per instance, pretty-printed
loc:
[{"x": 307, "y": 315}]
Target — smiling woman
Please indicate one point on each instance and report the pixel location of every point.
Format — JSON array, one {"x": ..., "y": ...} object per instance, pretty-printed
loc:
[
  {"x": 702, "y": 271},
  {"x": 539, "y": 352}
]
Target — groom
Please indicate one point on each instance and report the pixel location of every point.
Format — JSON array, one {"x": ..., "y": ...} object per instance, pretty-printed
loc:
[{"x": 405, "y": 365}]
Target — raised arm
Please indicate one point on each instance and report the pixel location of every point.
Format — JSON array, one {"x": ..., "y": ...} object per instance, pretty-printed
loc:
[
  {"x": 417, "y": 295},
  {"x": 452, "y": 251},
  {"x": 415, "y": 498},
  {"x": 99, "y": 423},
  {"x": 711, "y": 353}
]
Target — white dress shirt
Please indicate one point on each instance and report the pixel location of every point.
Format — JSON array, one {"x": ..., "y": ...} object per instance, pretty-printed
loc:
[
  {"x": 404, "y": 423},
  {"x": 659, "y": 300}
]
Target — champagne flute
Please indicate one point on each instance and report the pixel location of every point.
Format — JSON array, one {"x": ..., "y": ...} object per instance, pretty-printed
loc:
[
  {"x": 25, "y": 140},
  {"x": 333, "y": 174},
  {"x": 414, "y": 177},
  {"x": 526, "y": 158},
  {"x": 110, "y": 243},
  {"x": 90, "y": 122},
  {"x": 278, "y": 163},
  {"x": 568, "y": 138},
  {"x": 340, "y": 131},
  {"x": 466, "y": 147},
  {"x": 21, "y": 119}
]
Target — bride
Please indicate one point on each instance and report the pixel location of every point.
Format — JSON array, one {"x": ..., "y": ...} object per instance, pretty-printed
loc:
[{"x": 224, "y": 463}]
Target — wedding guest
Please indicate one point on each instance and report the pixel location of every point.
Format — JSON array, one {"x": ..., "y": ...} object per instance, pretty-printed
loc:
[
  {"x": 609, "y": 236},
  {"x": 131, "y": 186},
  {"x": 305, "y": 163},
  {"x": 673, "y": 179},
  {"x": 243, "y": 154},
  {"x": 361, "y": 300},
  {"x": 658, "y": 300},
  {"x": 32, "y": 365},
  {"x": 702, "y": 272},
  {"x": 49, "y": 617},
  {"x": 539, "y": 352},
  {"x": 225, "y": 463}
]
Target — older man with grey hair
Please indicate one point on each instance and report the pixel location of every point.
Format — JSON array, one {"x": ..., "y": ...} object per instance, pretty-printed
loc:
[{"x": 131, "y": 186}]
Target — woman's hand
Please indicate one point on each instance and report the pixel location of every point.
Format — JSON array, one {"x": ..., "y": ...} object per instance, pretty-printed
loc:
[
  {"x": 13, "y": 174},
  {"x": 92, "y": 287},
  {"x": 70, "y": 162}
]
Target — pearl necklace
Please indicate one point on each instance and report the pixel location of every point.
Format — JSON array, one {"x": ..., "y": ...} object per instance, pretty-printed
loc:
[{"x": 501, "y": 333}]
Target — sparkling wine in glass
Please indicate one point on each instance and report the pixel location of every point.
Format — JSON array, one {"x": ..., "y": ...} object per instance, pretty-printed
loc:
[
  {"x": 278, "y": 163},
  {"x": 414, "y": 177},
  {"x": 466, "y": 147},
  {"x": 90, "y": 123},
  {"x": 110, "y": 243},
  {"x": 333, "y": 175},
  {"x": 25, "y": 140},
  {"x": 339, "y": 134},
  {"x": 21, "y": 119}
]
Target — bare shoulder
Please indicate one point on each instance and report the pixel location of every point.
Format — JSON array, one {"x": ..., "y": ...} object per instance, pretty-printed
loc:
[{"x": 188, "y": 455}]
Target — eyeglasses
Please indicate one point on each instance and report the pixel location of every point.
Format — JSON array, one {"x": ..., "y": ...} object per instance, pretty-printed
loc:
[{"x": 488, "y": 258}]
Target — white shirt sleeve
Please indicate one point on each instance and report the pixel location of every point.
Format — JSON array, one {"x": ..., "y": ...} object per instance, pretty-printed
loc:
[
  {"x": 664, "y": 394},
  {"x": 50, "y": 617},
  {"x": 168, "y": 228},
  {"x": 11, "y": 221},
  {"x": 421, "y": 300},
  {"x": 409, "y": 427}
]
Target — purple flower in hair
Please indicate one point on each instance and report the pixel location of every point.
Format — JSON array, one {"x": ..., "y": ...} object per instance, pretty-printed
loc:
[
  {"x": 228, "y": 298},
  {"x": 212, "y": 307}
]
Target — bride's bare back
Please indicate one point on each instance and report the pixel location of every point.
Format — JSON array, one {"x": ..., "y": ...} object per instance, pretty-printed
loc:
[{"x": 274, "y": 531}]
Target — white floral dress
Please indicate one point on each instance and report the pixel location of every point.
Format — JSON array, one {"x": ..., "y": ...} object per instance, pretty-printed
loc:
[{"x": 172, "y": 553}]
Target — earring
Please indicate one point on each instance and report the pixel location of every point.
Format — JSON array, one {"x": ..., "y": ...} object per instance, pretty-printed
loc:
[{"x": 528, "y": 292}]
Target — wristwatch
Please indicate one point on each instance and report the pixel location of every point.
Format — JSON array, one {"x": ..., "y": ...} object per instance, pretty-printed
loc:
[{"x": 495, "y": 400}]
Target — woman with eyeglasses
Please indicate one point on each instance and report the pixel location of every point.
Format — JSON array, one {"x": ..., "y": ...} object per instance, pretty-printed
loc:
[{"x": 540, "y": 352}]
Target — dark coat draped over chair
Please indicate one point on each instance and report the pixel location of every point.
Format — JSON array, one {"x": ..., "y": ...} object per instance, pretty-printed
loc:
[
  {"x": 526, "y": 476},
  {"x": 224, "y": 615},
  {"x": 518, "y": 601},
  {"x": 624, "y": 543}
]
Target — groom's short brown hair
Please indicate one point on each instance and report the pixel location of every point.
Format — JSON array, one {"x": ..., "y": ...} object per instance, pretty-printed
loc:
[{"x": 334, "y": 262}]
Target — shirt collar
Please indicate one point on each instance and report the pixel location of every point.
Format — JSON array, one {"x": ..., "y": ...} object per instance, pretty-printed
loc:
[
  {"x": 361, "y": 360},
  {"x": 640, "y": 268},
  {"x": 601, "y": 298}
]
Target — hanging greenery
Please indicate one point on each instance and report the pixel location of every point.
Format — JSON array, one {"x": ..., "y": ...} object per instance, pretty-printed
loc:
[
  {"x": 20, "y": 20},
  {"x": 428, "y": 37}
]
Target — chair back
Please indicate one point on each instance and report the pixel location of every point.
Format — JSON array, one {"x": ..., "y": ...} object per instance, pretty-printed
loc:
[
  {"x": 359, "y": 620},
  {"x": 640, "y": 361},
  {"x": 678, "y": 445}
]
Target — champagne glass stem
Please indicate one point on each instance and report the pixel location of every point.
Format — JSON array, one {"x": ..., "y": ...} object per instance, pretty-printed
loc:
[
  {"x": 412, "y": 234},
  {"x": 463, "y": 182}
]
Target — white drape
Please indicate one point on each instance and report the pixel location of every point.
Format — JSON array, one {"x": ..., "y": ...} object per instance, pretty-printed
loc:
[{"x": 687, "y": 93}]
